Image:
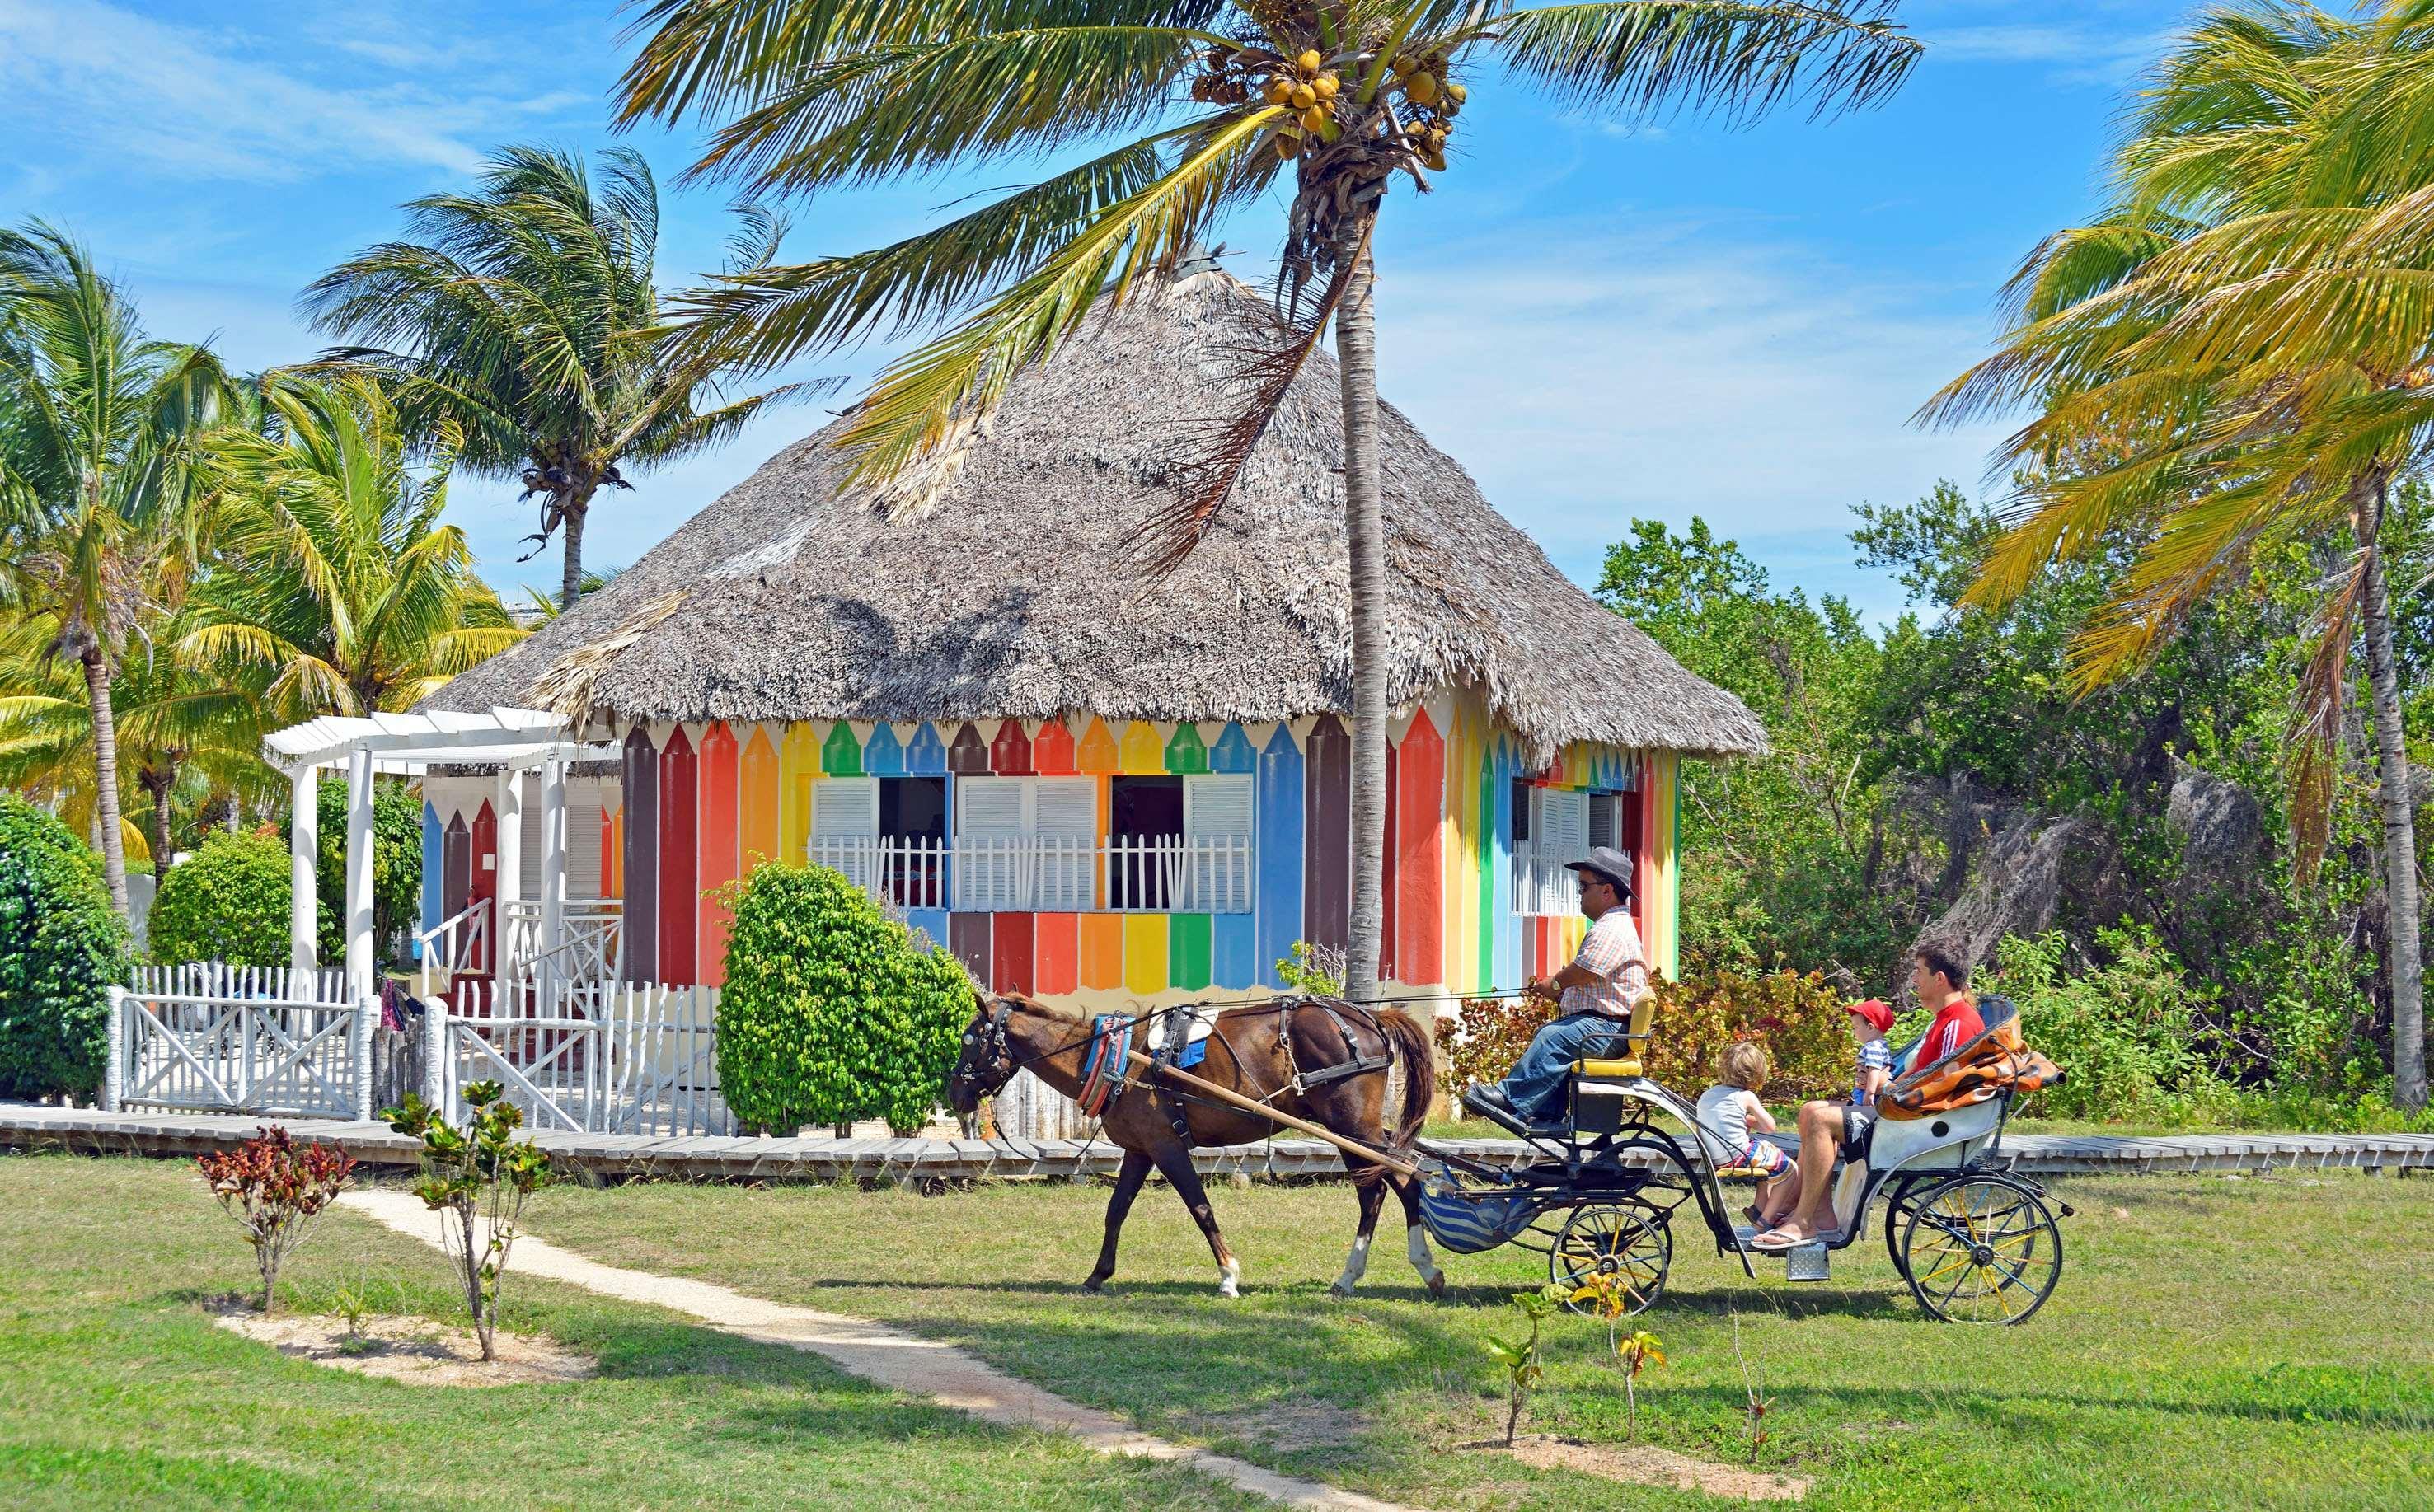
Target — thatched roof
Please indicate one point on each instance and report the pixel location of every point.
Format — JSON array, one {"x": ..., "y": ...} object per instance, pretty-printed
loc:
[{"x": 996, "y": 594}]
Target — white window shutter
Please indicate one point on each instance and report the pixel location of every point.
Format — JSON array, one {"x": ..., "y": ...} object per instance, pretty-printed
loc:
[
  {"x": 989, "y": 815},
  {"x": 1217, "y": 805},
  {"x": 1065, "y": 806},
  {"x": 988, "y": 808},
  {"x": 1567, "y": 835},
  {"x": 845, "y": 807},
  {"x": 1604, "y": 807},
  {"x": 582, "y": 846}
]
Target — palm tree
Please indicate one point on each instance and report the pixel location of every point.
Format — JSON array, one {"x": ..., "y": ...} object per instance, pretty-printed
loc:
[
  {"x": 1197, "y": 108},
  {"x": 98, "y": 427},
  {"x": 335, "y": 587},
  {"x": 2235, "y": 358},
  {"x": 174, "y": 724},
  {"x": 523, "y": 317}
]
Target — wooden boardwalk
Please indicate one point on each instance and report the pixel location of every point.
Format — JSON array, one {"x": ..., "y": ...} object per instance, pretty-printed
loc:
[{"x": 740, "y": 1159}]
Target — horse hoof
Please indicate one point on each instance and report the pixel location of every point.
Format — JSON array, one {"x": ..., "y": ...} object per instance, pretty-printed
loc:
[
  {"x": 1340, "y": 1290},
  {"x": 1095, "y": 1285},
  {"x": 1437, "y": 1284}
]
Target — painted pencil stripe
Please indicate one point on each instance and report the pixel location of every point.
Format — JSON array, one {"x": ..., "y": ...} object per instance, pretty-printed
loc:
[
  {"x": 1097, "y": 752},
  {"x": 840, "y": 752},
  {"x": 1232, "y": 752},
  {"x": 925, "y": 754},
  {"x": 1099, "y": 951},
  {"x": 721, "y": 832},
  {"x": 1280, "y": 816},
  {"x": 1233, "y": 960},
  {"x": 968, "y": 936},
  {"x": 761, "y": 803},
  {"x": 1326, "y": 835},
  {"x": 1419, "y": 945},
  {"x": 1184, "y": 752},
  {"x": 1010, "y": 951},
  {"x": 641, "y": 926},
  {"x": 1010, "y": 753},
  {"x": 1138, "y": 751},
  {"x": 882, "y": 755},
  {"x": 799, "y": 761},
  {"x": 1144, "y": 953},
  {"x": 1052, "y": 749},
  {"x": 434, "y": 870},
  {"x": 679, "y": 859},
  {"x": 1187, "y": 951},
  {"x": 1056, "y": 962}
]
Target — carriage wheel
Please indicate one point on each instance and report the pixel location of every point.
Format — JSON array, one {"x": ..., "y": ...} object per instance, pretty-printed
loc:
[
  {"x": 1981, "y": 1249},
  {"x": 1605, "y": 1238}
]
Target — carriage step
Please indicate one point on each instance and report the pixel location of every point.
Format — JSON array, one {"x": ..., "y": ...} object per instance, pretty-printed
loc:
[{"x": 1812, "y": 1262}]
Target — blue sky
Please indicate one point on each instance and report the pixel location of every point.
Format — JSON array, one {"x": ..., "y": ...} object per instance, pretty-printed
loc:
[{"x": 1600, "y": 324}]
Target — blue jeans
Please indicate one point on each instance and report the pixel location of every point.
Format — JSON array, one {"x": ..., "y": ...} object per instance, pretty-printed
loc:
[{"x": 1534, "y": 1086}]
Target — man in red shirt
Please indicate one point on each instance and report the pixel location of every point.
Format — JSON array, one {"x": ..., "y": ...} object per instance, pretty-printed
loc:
[{"x": 1939, "y": 976}]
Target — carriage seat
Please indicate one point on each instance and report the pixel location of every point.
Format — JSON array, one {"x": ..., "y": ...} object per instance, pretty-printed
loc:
[{"x": 1607, "y": 1065}]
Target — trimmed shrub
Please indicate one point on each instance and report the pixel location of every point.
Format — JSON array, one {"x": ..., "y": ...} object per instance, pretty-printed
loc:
[
  {"x": 62, "y": 946},
  {"x": 396, "y": 864},
  {"x": 2130, "y": 1035},
  {"x": 1798, "y": 1018},
  {"x": 226, "y": 902},
  {"x": 832, "y": 1011}
]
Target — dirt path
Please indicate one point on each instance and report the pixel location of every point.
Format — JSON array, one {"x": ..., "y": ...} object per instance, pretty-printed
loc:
[{"x": 916, "y": 1367}]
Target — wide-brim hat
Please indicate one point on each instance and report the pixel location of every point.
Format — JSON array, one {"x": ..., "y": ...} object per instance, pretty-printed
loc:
[{"x": 1607, "y": 862}]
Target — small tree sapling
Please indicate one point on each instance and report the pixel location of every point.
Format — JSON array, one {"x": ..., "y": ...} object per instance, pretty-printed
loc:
[
  {"x": 275, "y": 1188},
  {"x": 478, "y": 1177},
  {"x": 1522, "y": 1369}
]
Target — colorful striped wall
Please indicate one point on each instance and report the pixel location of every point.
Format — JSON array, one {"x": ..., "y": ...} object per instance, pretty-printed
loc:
[{"x": 701, "y": 804}]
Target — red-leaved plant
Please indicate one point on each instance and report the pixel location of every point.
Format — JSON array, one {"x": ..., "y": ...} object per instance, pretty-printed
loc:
[{"x": 275, "y": 1188}]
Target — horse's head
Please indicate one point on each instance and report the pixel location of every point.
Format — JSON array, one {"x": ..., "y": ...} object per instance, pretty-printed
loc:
[{"x": 987, "y": 1060}]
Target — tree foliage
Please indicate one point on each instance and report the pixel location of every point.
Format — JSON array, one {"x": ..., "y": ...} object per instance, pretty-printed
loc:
[
  {"x": 62, "y": 946},
  {"x": 228, "y": 901},
  {"x": 832, "y": 1011},
  {"x": 397, "y": 864}
]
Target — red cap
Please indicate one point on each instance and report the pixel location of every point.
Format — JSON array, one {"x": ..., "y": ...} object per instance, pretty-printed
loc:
[{"x": 1877, "y": 1011}]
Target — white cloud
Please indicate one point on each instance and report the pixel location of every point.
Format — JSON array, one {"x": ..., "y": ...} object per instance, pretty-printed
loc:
[
  {"x": 137, "y": 94},
  {"x": 1591, "y": 374}
]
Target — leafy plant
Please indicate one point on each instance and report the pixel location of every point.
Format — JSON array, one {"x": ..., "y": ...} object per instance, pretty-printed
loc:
[
  {"x": 1610, "y": 1297},
  {"x": 397, "y": 862},
  {"x": 1315, "y": 970},
  {"x": 1523, "y": 1370},
  {"x": 353, "y": 1301},
  {"x": 1798, "y": 1017},
  {"x": 228, "y": 901},
  {"x": 274, "y": 1188},
  {"x": 831, "y": 1010},
  {"x": 479, "y": 1177},
  {"x": 2132, "y": 1034},
  {"x": 60, "y": 947},
  {"x": 1754, "y": 1401}
]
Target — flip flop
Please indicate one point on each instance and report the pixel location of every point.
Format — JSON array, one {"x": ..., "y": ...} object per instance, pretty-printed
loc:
[{"x": 1821, "y": 1236}]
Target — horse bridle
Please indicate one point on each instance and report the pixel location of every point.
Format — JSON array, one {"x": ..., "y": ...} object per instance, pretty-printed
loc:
[{"x": 996, "y": 1065}]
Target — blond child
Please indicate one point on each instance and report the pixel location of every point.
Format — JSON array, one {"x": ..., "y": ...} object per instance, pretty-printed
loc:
[{"x": 1732, "y": 1118}]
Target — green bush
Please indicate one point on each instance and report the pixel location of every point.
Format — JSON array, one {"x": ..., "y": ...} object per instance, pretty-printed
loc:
[
  {"x": 1798, "y": 1018},
  {"x": 2130, "y": 1035},
  {"x": 396, "y": 864},
  {"x": 228, "y": 901},
  {"x": 831, "y": 1011},
  {"x": 62, "y": 946}
]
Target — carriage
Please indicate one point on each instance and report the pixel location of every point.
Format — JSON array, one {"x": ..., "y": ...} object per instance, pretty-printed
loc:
[{"x": 1974, "y": 1241}]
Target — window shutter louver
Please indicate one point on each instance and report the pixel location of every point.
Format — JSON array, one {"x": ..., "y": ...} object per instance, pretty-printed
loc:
[{"x": 845, "y": 809}]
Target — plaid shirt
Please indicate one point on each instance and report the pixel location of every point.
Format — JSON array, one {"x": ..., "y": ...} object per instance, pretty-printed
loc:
[{"x": 1611, "y": 952}]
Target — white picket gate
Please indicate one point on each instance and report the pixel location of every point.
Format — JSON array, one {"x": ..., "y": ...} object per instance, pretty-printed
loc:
[
  {"x": 597, "y": 1058},
  {"x": 256, "y": 1046}
]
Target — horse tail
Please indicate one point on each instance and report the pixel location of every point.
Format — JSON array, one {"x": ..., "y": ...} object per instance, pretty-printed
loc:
[{"x": 1409, "y": 1045}]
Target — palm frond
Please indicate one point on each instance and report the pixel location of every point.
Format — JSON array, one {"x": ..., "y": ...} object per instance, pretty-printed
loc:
[{"x": 1647, "y": 57}]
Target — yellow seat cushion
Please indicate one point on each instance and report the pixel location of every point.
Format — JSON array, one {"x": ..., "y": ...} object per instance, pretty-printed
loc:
[{"x": 1628, "y": 1066}]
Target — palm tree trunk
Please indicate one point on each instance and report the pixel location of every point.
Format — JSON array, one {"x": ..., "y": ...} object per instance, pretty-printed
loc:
[
  {"x": 159, "y": 783},
  {"x": 1356, "y": 349},
  {"x": 2399, "y": 827},
  {"x": 105, "y": 776},
  {"x": 570, "y": 579}
]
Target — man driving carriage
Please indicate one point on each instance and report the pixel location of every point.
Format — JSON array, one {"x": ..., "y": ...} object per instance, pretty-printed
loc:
[{"x": 1596, "y": 993}]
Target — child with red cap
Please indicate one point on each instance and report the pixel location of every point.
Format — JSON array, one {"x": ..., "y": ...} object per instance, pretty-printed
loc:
[{"x": 1871, "y": 1020}]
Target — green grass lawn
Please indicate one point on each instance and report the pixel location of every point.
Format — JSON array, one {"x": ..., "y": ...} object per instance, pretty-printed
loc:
[
  {"x": 120, "y": 1393},
  {"x": 2214, "y": 1343}
]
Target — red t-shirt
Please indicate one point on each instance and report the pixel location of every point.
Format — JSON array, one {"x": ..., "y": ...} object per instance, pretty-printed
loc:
[{"x": 1955, "y": 1023}]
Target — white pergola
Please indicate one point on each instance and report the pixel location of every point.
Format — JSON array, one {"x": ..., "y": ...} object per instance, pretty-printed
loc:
[{"x": 512, "y": 740}]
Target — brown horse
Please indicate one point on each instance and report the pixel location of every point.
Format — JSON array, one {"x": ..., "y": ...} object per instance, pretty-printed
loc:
[{"x": 1278, "y": 1053}]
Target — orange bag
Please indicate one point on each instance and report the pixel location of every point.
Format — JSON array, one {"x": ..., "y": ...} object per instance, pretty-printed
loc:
[{"x": 1994, "y": 1061}]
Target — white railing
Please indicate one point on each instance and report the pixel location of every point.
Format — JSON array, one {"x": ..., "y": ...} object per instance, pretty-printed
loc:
[
  {"x": 1541, "y": 884},
  {"x": 900, "y": 871},
  {"x": 217, "y": 979},
  {"x": 590, "y": 951},
  {"x": 1048, "y": 873},
  {"x": 460, "y": 943},
  {"x": 205, "y": 1052},
  {"x": 600, "y": 1057}
]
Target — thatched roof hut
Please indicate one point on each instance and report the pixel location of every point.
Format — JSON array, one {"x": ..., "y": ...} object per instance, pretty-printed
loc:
[{"x": 991, "y": 588}]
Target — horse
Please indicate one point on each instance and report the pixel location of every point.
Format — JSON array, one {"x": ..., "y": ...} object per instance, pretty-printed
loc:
[{"x": 1278, "y": 1052}]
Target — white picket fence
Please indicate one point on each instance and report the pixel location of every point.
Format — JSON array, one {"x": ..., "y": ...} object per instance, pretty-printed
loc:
[
  {"x": 240, "y": 1050},
  {"x": 594, "y": 1058},
  {"x": 1055, "y": 874}
]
